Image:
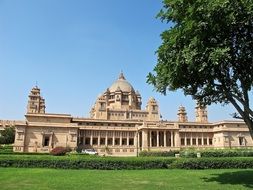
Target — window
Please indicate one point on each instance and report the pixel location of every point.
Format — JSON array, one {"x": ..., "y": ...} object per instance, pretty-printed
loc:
[
  {"x": 46, "y": 141},
  {"x": 188, "y": 141},
  {"x": 116, "y": 141},
  {"x": 210, "y": 141},
  {"x": 182, "y": 141},
  {"x": 102, "y": 141},
  {"x": 87, "y": 141},
  {"x": 109, "y": 141},
  {"x": 125, "y": 97},
  {"x": 205, "y": 141},
  {"x": 193, "y": 141},
  {"x": 241, "y": 141},
  {"x": 95, "y": 141},
  {"x": 81, "y": 140},
  {"x": 131, "y": 142},
  {"x": 102, "y": 106},
  {"x": 199, "y": 141},
  {"x": 124, "y": 141}
]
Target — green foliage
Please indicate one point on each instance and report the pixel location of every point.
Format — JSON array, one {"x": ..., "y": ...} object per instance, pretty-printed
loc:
[
  {"x": 6, "y": 149},
  {"x": 212, "y": 163},
  {"x": 192, "y": 153},
  {"x": 113, "y": 163},
  {"x": 158, "y": 153},
  {"x": 79, "y": 149},
  {"x": 7, "y": 136},
  {"x": 84, "y": 162},
  {"x": 207, "y": 52},
  {"x": 217, "y": 153}
]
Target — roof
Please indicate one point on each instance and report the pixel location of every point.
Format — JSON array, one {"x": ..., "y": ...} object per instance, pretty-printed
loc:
[{"x": 122, "y": 84}]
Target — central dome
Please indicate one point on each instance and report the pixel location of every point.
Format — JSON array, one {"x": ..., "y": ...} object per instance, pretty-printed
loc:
[{"x": 121, "y": 84}]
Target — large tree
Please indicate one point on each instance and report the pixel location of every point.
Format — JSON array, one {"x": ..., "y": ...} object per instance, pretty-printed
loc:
[
  {"x": 7, "y": 136},
  {"x": 208, "y": 52}
]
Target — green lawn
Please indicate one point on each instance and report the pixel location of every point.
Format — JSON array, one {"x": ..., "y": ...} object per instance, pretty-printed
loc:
[{"x": 23, "y": 178}]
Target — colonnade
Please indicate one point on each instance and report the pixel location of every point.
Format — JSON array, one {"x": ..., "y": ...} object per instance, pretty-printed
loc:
[
  {"x": 158, "y": 138},
  {"x": 109, "y": 138},
  {"x": 144, "y": 138},
  {"x": 196, "y": 139}
]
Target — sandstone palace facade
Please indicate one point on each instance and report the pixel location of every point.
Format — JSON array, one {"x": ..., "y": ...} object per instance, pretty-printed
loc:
[{"x": 119, "y": 126}]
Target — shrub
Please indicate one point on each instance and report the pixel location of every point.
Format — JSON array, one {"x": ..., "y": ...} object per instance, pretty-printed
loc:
[
  {"x": 60, "y": 151},
  {"x": 7, "y": 136},
  {"x": 79, "y": 149},
  {"x": 112, "y": 163},
  {"x": 213, "y": 163},
  {"x": 158, "y": 153},
  {"x": 84, "y": 162},
  {"x": 4, "y": 149},
  {"x": 218, "y": 153}
]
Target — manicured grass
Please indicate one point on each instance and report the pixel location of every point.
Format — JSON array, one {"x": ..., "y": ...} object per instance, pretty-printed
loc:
[{"x": 44, "y": 179}]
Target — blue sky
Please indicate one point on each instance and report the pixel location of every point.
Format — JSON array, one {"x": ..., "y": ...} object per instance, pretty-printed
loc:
[{"x": 76, "y": 49}]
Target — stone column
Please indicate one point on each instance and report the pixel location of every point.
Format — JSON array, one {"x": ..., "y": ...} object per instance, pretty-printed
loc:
[
  {"x": 120, "y": 143},
  {"x": 106, "y": 138},
  {"x": 50, "y": 141},
  {"x": 128, "y": 138},
  {"x": 207, "y": 140},
  {"x": 91, "y": 138},
  {"x": 197, "y": 140},
  {"x": 135, "y": 138},
  {"x": 164, "y": 139},
  {"x": 202, "y": 139},
  {"x": 113, "y": 138},
  {"x": 144, "y": 139},
  {"x": 171, "y": 139},
  {"x": 191, "y": 139},
  {"x": 157, "y": 138},
  {"x": 138, "y": 139},
  {"x": 177, "y": 139},
  {"x": 99, "y": 136},
  {"x": 185, "y": 139},
  {"x": 150, "y": 138}
]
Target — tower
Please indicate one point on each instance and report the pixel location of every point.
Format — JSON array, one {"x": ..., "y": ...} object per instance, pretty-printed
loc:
[
  {"x": 182, "y": 115},
  {"x": 201, "y": 113},
  {"x": 36, "y": 103},
  {"x": 153, "y": 110}
]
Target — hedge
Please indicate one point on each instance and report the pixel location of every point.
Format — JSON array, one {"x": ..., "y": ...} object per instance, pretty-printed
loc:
[
  {"x": 87, "y": 162},
  {"x": 192, "y": 153},
  {"x": 4, "y": 149},
  {"x": 218, "y": 153},
  {"x": 158, "y": 153},
  {"x": 114, "y": 163},
  {"x": 213, "y": 163}
]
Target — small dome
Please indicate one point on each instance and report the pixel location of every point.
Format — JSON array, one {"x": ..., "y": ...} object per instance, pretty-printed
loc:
[
  {"x": 152, "y": 99},
  {"x": 121, "y": 84},
  {"x": 181, "y": 108}
]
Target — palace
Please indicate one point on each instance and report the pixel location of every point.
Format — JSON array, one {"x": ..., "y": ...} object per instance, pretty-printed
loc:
[{"x": 119, "y": 126}]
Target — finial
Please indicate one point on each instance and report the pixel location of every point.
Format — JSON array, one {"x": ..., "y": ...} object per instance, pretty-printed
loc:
[{"x": 121, "y": 76}]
